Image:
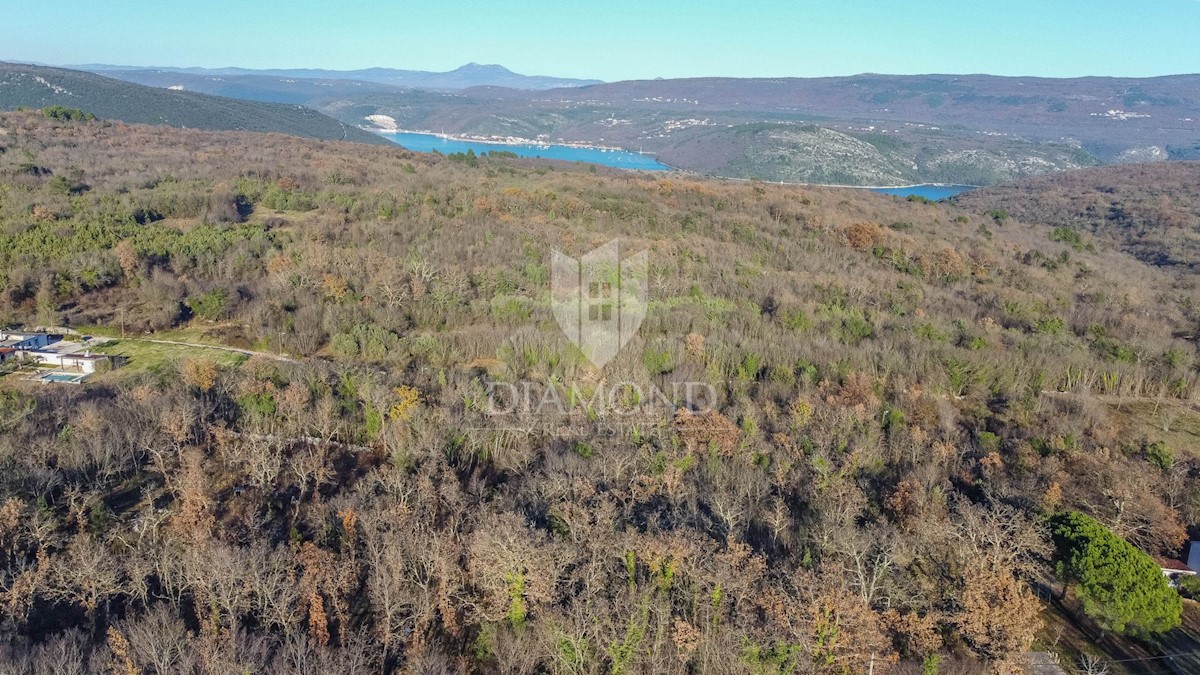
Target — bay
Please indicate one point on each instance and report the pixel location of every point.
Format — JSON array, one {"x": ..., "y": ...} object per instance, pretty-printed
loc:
[{"x": 620, "y": 159}]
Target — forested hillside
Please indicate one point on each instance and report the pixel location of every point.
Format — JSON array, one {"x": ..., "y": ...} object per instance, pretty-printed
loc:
[
  {"x": 25, "y": 86},
  {"x": 936, "y": 431}
]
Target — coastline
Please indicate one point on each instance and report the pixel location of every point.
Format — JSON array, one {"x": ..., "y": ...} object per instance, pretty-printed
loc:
[
  {"x": 847, "y": 187},
  {"x": 505, "y": 140},
  {"x": 533, "y": 143}
]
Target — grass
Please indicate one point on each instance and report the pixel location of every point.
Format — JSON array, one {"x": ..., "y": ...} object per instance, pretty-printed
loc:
[
  {"x": 196, "y": 331},
  {"x": 1175, "y": 424},
  {"x": 142, "y": 356}
]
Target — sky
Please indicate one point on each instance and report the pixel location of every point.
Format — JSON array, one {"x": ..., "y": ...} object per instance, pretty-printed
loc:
[{"x": 620, "y": 39}]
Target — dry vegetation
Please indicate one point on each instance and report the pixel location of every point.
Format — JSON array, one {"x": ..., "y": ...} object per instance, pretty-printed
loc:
[
  {"x": 906, "y": 390},
  {"x": 1149, "y": 210}
]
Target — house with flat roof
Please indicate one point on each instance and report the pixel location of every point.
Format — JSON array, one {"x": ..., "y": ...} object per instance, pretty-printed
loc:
[
  {"x": 53, "y": 351},
  {"x": 20, "y": 340},
  {"x": 86, "y": 363}
]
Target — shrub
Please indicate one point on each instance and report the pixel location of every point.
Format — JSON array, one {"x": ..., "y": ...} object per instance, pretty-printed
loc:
[
  {"x": 58, "y": 112},
  {"x": 1160, "y": 455},
  {"x": 210, "y": 306},
  {"x": 988, "y": 442},
  {"x": 1189, "y": 587},
  {"x": 407, "y": 400},
  {"x": 366, "y": 341},
  {"x": 1068, "y": 236},
  {"x": 259, "y": 406},
  {"x": 1051, "y": 326}
]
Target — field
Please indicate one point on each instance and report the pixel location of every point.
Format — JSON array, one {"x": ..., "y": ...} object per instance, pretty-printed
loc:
[{"x": 138, "y": 355}]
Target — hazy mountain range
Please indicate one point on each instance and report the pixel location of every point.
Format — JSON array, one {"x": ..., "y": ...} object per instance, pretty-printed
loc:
[{"x": 464, "y": 77}]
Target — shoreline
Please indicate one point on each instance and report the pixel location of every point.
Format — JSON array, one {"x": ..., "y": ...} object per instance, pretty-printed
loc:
[
  {"x": 527, "y": 142},
  {"x": 837, "y": 185},
  {"x": 507, "y": 140}
]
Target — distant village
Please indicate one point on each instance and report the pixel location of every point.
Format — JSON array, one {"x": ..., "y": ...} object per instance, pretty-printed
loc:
[{"x": 51, "y": 358}]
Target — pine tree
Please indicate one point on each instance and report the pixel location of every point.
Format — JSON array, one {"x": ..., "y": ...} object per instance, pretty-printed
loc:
[{"x": 1121, "y": 588}]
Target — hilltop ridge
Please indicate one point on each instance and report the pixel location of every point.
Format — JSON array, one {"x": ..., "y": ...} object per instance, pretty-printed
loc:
[{"x": 30, "y": 86}]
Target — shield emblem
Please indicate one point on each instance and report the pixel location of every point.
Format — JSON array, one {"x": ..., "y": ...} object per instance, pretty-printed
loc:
[{"x": 600, "y": 299}]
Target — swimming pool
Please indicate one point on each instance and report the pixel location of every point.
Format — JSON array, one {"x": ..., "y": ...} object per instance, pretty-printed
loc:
[{"x": 61, "y": 377}]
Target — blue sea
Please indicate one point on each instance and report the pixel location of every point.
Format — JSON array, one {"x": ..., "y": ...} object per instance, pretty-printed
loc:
[
  {"x": 933, "y": 192},
  {"x": 620, "y": 159}
]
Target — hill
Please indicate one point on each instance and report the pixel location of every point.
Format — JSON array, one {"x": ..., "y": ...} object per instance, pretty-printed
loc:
[
  {"x": 1151, "y": 211},
  {"x": 38, "y": 87},
  {"x": 866, "y": 129},
  {"x": 1105, "y": 115},
  {"x": 463, "y": 77},
  {"x": 831, "y": 444},
  {"x": 860, "y": 130},
  {"x": 256, "y": 87}
]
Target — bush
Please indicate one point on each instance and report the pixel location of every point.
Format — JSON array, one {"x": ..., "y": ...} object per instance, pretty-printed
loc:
[
  {"x": 1065, "y": 235},
  {"x": 796, "y": 320},
  {"x": 58, "y": 112},
  {"x": 366, "y": 341},
  {"x": 1051, "y": 326},
  {"x": 1189, "y": 587},
  {"x": 1160, "y": 455},
  {"x": 211, "y": 306}
]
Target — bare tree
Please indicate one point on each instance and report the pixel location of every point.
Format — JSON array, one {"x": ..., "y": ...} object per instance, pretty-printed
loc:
[
  {"x": 1090, "y": 664},
  {"x": 158, "y": 640},
  {"x": 88, "y": 574}
]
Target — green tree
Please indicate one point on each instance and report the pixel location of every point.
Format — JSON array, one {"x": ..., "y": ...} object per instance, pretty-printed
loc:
[
  {"x": 211, "y": 305},
  {"x": 58, "y": 112},
  {"x": 1121, "y": 588}
]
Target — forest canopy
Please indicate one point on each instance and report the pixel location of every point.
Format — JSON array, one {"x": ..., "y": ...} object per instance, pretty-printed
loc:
[{"x": 922, "y": 413}]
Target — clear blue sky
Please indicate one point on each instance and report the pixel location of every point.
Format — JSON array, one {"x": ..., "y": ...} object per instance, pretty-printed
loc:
[{"x": 620, "y": 39}]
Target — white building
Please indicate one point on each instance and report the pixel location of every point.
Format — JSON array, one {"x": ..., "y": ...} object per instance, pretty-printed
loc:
[
  {"x": 22, "y": 341},
  {"x": 85, "y": 363},
  {"x": 51, "y": 350}
]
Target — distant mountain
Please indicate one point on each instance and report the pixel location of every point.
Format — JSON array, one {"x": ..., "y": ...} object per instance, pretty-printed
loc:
[
  {"x": 470, "y": 75},
  {"x": 108, "y": 98}
]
